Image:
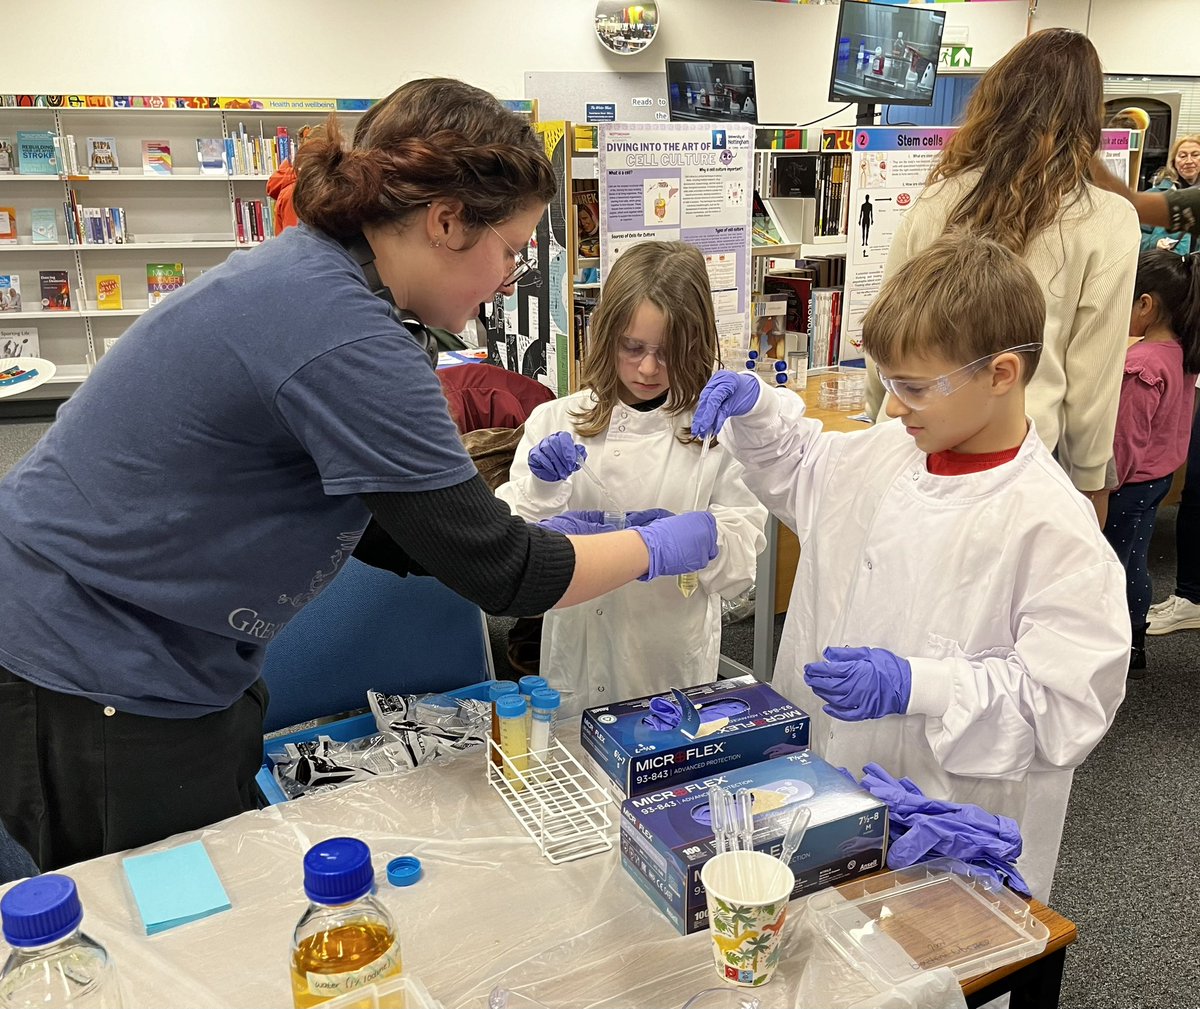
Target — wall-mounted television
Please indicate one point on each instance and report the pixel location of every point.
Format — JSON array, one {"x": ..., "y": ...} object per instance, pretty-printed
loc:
[
  {"x": 886, "y": 54},
  {"x": 717, "y": 90}
]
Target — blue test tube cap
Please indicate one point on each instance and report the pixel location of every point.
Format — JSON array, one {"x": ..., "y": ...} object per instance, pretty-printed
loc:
[
  {"x": 404, "y": 871},
  {"x": 546, "y": 699},
  {"x": 510, "y": 706},
  {"x": 528, "y": 684},
  {"x": 500, "y": 688},
  {"x": 781, "y": 378},
  {"x": 781, "y": 365}
]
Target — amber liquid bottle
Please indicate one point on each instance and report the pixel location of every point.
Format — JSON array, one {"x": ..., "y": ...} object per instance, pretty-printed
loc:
[{"x": 345, "y": 940}]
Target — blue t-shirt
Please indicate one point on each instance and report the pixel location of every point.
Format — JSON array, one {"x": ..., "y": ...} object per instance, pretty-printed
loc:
[{"x": 201, "y": 486}]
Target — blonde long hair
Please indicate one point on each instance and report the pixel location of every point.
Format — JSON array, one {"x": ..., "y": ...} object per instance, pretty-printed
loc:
[
  {"x": 673, "y": 277},
  {"x": 1031, "y": 130},
  {"x": 1168, "y": 171}
]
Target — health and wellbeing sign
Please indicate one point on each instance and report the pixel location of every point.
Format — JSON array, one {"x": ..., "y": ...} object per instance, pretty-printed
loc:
[{"x": 689, "y": 182}]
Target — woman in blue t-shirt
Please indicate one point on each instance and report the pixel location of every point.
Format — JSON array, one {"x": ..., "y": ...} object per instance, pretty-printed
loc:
[{"x": 226, "y": 456}]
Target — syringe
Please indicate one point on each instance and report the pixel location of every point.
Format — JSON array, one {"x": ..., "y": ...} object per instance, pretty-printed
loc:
[{"x": 690, "y": 582}]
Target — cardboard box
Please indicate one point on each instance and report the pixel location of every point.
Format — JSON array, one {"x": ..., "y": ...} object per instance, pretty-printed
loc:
[
  {"x": 634, "y": 758},
  {"x": 665, "y": 840}
]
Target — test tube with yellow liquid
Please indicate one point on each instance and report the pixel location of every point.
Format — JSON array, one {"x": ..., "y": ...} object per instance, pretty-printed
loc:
[
  {"x": 690, "y": 582},
  {"x": 514, "y": 742}
]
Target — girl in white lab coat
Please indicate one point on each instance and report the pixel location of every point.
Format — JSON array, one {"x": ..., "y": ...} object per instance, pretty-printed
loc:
[{"x": 652, "y": 344}]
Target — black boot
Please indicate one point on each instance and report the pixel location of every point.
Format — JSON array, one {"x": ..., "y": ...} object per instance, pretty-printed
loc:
[{"x": 1137, "y": 654}]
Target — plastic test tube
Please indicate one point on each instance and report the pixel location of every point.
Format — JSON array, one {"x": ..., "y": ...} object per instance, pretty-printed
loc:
[
  {"x": 527, "y": 685},
  {"x": 497, "y": 690},
  {"x": 510, "y": 711},
  {"x": 545, "y": 703}
]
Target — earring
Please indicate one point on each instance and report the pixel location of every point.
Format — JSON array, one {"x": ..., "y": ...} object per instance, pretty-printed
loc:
[{"x": 435, "y": 245}]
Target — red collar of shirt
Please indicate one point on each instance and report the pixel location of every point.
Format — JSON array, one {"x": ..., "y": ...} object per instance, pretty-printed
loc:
[{"x": 950, "y": 463}]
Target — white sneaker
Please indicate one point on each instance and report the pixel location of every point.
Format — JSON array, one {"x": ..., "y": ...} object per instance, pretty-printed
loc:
[
  {"x": 1165, "y": 606},
  {"x": 1177, "y": 614}
]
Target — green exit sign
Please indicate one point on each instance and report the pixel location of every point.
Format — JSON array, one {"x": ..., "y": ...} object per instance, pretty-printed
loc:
[{"x": 956, "y": 56}]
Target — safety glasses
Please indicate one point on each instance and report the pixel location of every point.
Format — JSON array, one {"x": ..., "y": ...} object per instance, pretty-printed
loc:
[
  {"x": 920, "y": 394},
  {"x": 634, "y": 352}
]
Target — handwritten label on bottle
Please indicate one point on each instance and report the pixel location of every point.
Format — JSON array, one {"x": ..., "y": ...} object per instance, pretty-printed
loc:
[{"x": 331, "y": 985}]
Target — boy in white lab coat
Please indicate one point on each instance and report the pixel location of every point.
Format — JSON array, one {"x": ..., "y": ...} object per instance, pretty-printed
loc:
[{"x": 984, "y": 609}]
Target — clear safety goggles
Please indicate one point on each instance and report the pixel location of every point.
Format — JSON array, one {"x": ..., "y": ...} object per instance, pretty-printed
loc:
[
  {"x": 922, "y": 393},
  {"x": 633, "y": 352}
]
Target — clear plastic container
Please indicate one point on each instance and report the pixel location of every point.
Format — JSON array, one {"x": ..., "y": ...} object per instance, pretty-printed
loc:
[
  {"x": 844, "y": 391},
  {"x": 404, "y": 991},
  {"x": 53, "y": 963},
  {"x": 902, "y": 923},
  {"x": 346, "y": 940}
]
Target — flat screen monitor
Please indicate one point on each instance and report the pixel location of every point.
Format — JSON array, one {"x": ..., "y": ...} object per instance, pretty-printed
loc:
[
  {"x": 717, "y": 90},
  {"x": 886, "y": 54}
]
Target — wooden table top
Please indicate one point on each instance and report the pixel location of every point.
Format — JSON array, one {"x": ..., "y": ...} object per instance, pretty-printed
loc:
[{"x": 1062, "y": 933}]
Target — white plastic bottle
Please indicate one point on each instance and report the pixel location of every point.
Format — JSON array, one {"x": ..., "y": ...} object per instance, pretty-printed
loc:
[{"x": 53, "y": 963}]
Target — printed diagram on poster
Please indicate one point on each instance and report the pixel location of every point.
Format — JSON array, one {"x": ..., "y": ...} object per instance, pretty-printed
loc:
[
  {"x": 685, "y": 182},
  {"x": 887, "y": 175}
]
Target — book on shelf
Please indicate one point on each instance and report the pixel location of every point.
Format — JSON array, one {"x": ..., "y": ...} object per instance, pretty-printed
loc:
[
  {"x": 156, "y": 157},
  {"x": 794, "y": 175},
  {"x": 585, "y": 195},
  {"x": 8, "y": 225},
  {"x": 162, "y": 279},
  {"x": 796, "y": 287},
  {"x": 94, "y": 225},
  {"x": 108, "y": 292},
  {"x": 43, "y": 226},
  {"x": 253, "y": 220},
  {"x": 68, "y": 154},
  {"x": 102, "y": 155},
  {"x": 35, "y": 153},
  {"x": 764, "y": 231},
  {"x": 8, "y": 156},
  {"x": 56, "y": 290},
  {"x": 21, "y": 342},
  {"x": 210, "y": 152},
  {"x": 825, "y": 322},
  {"x": 10, "y": 292}
]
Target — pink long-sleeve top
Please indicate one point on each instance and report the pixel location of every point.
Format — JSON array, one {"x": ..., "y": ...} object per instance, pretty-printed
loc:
[{"x": 1154, "y": 420}]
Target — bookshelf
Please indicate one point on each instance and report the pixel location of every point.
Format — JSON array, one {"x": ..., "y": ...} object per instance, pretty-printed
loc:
[{"x": 183, "y": 217}]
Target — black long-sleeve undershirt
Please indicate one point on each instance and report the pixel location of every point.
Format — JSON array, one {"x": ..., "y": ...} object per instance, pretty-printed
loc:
[{"x": 465, "y": 537}]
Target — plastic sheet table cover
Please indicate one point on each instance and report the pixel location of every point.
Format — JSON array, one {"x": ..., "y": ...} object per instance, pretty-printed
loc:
[{"x": 489, "y": 911}]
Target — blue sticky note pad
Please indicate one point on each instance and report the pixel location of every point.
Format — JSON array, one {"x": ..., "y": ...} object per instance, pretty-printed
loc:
[{"x": 175, "y": 886}]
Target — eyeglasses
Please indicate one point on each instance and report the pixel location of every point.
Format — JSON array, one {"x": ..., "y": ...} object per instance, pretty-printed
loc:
[
  {"x": 524, "y": 272},
  {"x": 633, "y": 352},
  {"x": 918, "y": 395}
]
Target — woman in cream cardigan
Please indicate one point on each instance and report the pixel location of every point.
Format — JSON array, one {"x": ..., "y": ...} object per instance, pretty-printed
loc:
[{"x": 1018, "y": 172}]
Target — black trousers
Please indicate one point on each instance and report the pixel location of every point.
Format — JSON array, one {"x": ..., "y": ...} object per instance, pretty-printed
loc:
[{"x": 76, "y": 782}]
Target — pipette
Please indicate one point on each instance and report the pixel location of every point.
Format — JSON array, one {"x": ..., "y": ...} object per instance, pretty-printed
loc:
[
  {"x": 690, "y": 582},
  {"x": 794, "y": 835},
  {"x": 614, "y": 515}
]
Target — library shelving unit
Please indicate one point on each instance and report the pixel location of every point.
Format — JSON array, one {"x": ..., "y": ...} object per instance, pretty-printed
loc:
[{"x": 185, "y": 217}]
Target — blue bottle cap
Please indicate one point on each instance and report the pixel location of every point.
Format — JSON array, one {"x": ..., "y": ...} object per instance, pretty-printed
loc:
[
  {"x": 338, "y": 871},
  {"x": 510, "y": 706},
  {"x": 781, "y": 378},
  {"x": 41, "y": 910},
  {"x": 781, "y": 365},
  {"x": 500, "y": 688},
  {"x": 546, "y": 698},
  {"x": 404, "y": 871},
  {"x": 528, "y": 684}
]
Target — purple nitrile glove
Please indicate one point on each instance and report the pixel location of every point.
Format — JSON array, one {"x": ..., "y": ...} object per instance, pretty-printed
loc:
[
  {"x": 727, "y": 394},
  {"x": 905, "y": 800},
  {"x": 578, "y": 523},
  {"x": 665, "y": 715},
  {"x": 861, "y": 683},
  {"x": 644, "y": 518},
  {"x": 556, "y": 457},
  {"x": 679, "y": 544}
]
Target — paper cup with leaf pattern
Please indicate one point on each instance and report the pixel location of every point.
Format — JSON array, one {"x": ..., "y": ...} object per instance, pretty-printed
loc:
[{"x": 747, "y": 894}]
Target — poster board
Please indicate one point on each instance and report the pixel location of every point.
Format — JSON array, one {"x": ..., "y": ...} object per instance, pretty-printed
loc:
[
  {"x": 689, "y": 182},
  {"x": 887, "y": 173},
  {"x": 529, "y": 331}
]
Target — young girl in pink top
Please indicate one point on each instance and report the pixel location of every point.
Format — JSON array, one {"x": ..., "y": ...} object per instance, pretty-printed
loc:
[{"x": 1154, "y": 420}]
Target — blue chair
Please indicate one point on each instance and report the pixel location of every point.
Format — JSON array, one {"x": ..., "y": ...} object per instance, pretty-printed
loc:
[{"x": 373, "y": 630}]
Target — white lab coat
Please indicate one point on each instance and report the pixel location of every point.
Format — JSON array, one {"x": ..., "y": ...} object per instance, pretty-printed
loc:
[
  {"x": 998, "y": 587},
  {"x": 644, "y": 637}
]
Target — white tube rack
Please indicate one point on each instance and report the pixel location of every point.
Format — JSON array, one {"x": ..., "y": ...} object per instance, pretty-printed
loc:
[{"x": 558, "y": 803}]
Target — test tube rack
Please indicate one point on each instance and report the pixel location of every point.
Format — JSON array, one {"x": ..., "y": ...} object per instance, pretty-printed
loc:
[{"x": 558, "y": 803}]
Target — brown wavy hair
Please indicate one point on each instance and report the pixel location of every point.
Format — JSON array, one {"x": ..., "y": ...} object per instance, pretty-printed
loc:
[
  {"x": 431, "y": 139},
  {"x": 1032, "y": 127},
  {"x": 674, "y": 278}
]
